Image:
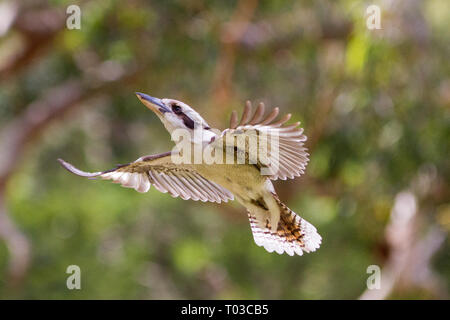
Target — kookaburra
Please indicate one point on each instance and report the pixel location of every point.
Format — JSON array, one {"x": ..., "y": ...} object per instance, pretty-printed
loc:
[{"x": 275, "y": 227}]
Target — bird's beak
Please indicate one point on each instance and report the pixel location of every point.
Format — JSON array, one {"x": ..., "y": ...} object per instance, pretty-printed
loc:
[{"x": 154, "y": 104}]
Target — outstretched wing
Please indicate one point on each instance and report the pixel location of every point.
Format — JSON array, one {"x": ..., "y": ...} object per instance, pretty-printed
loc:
[
  {"x": 159, "y": 171},
  {"x": 284, "y": 152}
]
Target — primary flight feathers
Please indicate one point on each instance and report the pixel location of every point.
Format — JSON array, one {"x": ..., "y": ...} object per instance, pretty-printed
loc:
[{"x": 288, "y": 156}]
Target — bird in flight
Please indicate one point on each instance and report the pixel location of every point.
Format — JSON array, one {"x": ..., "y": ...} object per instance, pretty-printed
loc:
[{"x": 237, "y": 171}]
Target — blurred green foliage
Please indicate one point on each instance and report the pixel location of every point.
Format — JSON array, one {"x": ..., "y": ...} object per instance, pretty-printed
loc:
[{"x": 375, "y": 105}]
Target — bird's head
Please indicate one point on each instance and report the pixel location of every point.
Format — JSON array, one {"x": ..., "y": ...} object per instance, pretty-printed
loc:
[{"x": 175, "y": 115}]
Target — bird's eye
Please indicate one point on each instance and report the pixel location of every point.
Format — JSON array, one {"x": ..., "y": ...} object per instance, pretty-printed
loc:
[{"x": 176, "y": 109}]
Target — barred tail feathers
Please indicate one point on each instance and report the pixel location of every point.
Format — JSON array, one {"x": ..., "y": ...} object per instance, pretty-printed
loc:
[{"x": 294, "y": 235}]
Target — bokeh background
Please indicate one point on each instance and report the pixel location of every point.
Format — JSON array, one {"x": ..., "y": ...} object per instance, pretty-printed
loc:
[{"x": 375, "y": 105}]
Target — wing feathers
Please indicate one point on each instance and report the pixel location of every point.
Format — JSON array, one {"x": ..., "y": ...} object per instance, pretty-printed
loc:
[
  {"x": 158, "y": 170},
  {"x": 282, "y": 121},
  {"x": 246, "y": 113},
  {"x": 257, "y": 117},
  {"x": 234, "y": 120},
  {"x": 202, "y": 192},
  {"x": 287, "y": 156},
  {"x": 155, "y": 181},
  {"x": 272, "y": 115},
  {"x": 78, "y": 172}
]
